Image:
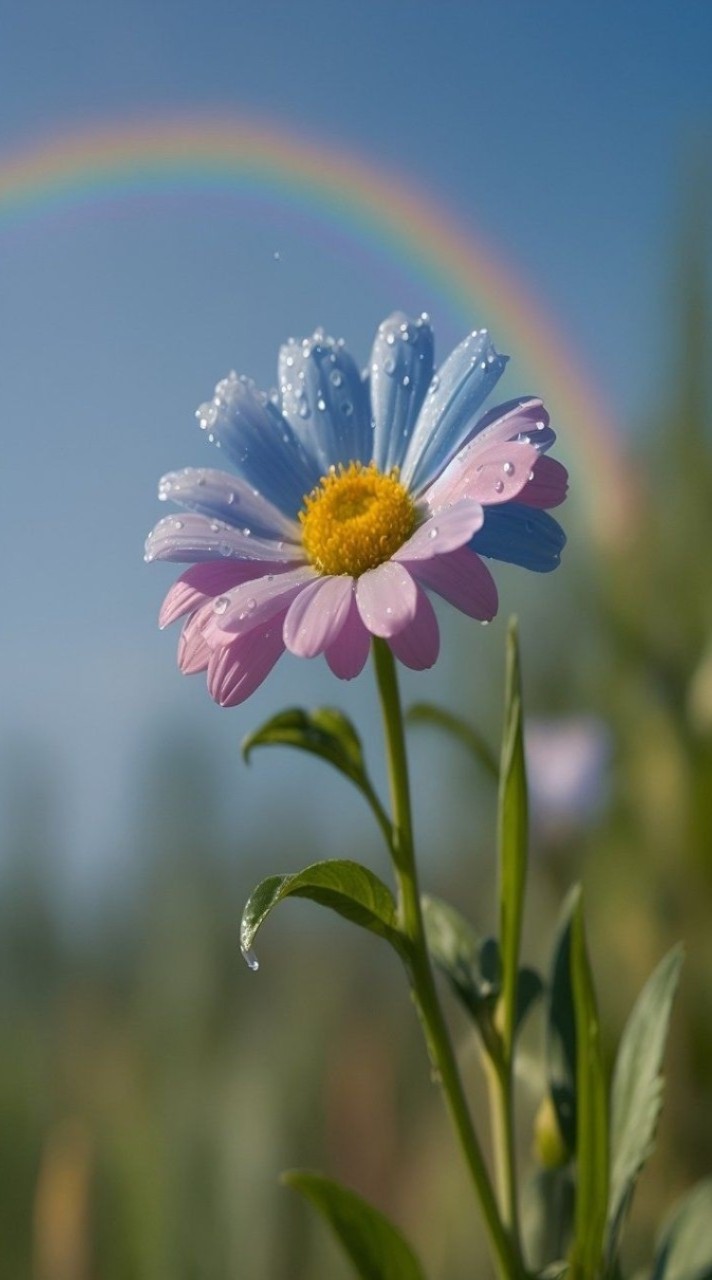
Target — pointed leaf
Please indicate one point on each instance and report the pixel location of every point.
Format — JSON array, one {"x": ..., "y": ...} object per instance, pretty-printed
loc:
[
  {"x": 427, "y": 714},
  {"x": 324, "y": 732},
  {"x": 376, "y": 1248},
  {"x": 512, "y": 828},
  {"x": 637, "y": 1088},
  {"x": 684, "y": 1247},
  {"x": 456, "y": 949},
  {"x": 591, "y": 1112},
  {"x": 530, "y": 988},
  {"x": 561, "y": 1028},
  {"x": 347, "y": 887}
]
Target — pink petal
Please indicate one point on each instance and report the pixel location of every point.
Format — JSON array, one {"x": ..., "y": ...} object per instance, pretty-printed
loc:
[
  {"x": 315, "y": 617},
  {"x": 347, "y": 654},
  {"x": 252, "y": 604},
  {"x": 387, "y": 598},
  {"x": 463, "y": 580},
  {"x": 548, "y": 485},
  {"x": 237, "y": 669},
  {"x": 193, "y": 652},
  {"x": 444, "y": 532},
  {"x": 524, "y": 417},
  {"x": 495, "y": 471},
  {"x": 418, "y": 644},
  {"x": 210, "y": 578}
]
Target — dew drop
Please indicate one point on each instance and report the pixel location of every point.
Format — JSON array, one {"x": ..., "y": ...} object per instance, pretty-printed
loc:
[
  {"x": 390, "y": 339},
  {"x": 508, "y": 468},
  {"x": 276, "y": 255},
  {"x": 499, "y": 486},
  {"x": 406, "y": 380},
  {"x": 434, "y": 532},
  {"x": 221, "y": 604},
  {"x": 347, "y": 408},
  {"x": 389, "y": 365},
  {"x": 250, "y": 959},
  {"x": 289, "y": 362},
  {"x": 177, "y": 524},
  {"x": 231, "y": 498},
  {"x": 335, "y": 378},
  {"x": 485, "y": 622},
  {"x": 434, "y": 385},
  {"x": 530, "y": 476},
  {"x": 540, "y": 426},
  {"x": 321, "y": 404},
  {"x": 251, "y": 604},
  {"x": 215, "y": 527},
  {"x": 225, "y": 549},
  {"x": 304, "y": 411},
  {"x": 246, "y": 533}
]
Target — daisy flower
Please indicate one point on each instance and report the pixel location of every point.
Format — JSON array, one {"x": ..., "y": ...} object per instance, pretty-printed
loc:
[{"x": 352, "y": 499}]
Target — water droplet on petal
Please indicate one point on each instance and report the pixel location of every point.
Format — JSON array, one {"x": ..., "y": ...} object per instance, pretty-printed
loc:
[
  {"x": 499, "y": 486},
  {"x": 225, "y": 549},
  {"x": 231, "y": 498},
  {"x": 335, "y": 378},
  {"x": 389, "y": 365},
  {"x": 530, "y": 476},
  {"x": 247, "y": 533},
  {"x": 304, "y": 410},
  {"x": 508, "y": 468},
  {"x": 347, "y": 408},
  {"x": 215, "y": 527},
  {"x": 177, "y": 524},
  {"x": 220, "y": 605},
  {"x": 406, "y": 380},
  {"x": 321, "y": 404},
  {"x": 433, "y": 533},
  {"x": 390, "y": 339}
]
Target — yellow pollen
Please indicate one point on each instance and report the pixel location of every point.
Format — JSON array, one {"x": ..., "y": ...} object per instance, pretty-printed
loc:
[{"x": 355, "y": 518}]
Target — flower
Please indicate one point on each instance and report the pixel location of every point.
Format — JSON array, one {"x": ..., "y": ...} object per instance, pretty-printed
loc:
[{"x": 353, "y": 497}]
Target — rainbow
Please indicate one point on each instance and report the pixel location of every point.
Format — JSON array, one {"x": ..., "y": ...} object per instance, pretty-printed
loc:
[{"x": 376, "y": 210}]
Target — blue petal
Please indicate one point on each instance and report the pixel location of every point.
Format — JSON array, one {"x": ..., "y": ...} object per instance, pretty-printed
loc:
[
  {"x": 226, "y": 497},
  {"x": 401, "y": 368},
  {"x": 324, "y": 400},
  {"x": 260, "y": 443},
  {"x": 447, "y": 416},
  {"x": 520, "y": 535}
]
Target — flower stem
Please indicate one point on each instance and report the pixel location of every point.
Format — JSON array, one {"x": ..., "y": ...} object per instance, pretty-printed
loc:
[{"x": 421, "y": 975}]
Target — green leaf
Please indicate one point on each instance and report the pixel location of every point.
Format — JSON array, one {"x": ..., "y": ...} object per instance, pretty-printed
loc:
[
  {"x": 547, "y": 1217},
  {"x": 329, "y": 734},
  {"x": 427, "y": 714},
  {"x": 347, "y": 887},
  {"x": 470, "y": 965},
  {"x": 512, "y": 840},
  {"x": 684, "y": 1246},
  {"x": 592, "y": 1154},
  {"x": 530, "y": 988},
  {"x": 376, "y": 1248},
  {"x": 637, "y": 1088},
  {"x": 324, "y": 732},
  {"x": 561, "y": 1028}
]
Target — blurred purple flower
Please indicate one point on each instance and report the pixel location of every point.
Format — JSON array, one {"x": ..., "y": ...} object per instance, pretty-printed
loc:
[
  {"x": 568, "y": 763},
  {"x": 353, "y": 497}
]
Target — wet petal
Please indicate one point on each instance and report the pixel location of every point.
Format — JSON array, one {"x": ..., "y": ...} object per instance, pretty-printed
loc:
[
  {"x": 387, "y": 598},
  {"x": 523, "y": 419},
  {"x": 235, "y": 670},
  {"x": 493, "y": 472},
  {"x": 191, "y": 538},
  {"x": 521, "y": 535},
  {"x": 243, "y": 422},
  {"x": 456, "y": 393},
  {"x": 548, "y": 485},
  {"x": 211, "y": 578},
  {"x": 228, "y": 498},
  {"x": 193, "y": 652},
  {"x": 347, "y": 654},
  {"x": 317, "y": 615},
  {"x": 254, "y": 603},
  {"x": 324, "y": 400},
  {"x": 417, "y": 645},
  {"x": 463, "y": 580},
  {"x": 450, "y": 528},
  {"x": 400, "y": 372}
]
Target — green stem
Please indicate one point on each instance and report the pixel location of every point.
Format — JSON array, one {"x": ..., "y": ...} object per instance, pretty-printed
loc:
[
  {"x": 420, "y": 971},
  {"x": 499, "y": 1080}
]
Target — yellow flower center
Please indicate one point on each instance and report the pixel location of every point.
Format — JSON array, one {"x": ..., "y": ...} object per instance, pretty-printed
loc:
[{"x": 355, "y": 518}]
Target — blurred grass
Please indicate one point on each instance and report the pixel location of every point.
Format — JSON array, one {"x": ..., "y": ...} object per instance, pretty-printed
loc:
[{"x": 151, "y": 1089}]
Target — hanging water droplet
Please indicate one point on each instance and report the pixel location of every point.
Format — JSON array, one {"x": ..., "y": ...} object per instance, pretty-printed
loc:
[
  {"x": 250, "y": 959},
  {"x": 220, "y": 605},
  {"x": 508, "y": 468},
  {"x": 485, "y": 622}
]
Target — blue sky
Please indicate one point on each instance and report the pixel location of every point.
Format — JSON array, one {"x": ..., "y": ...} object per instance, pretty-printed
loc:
[{"x": 562, "y": 132}]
